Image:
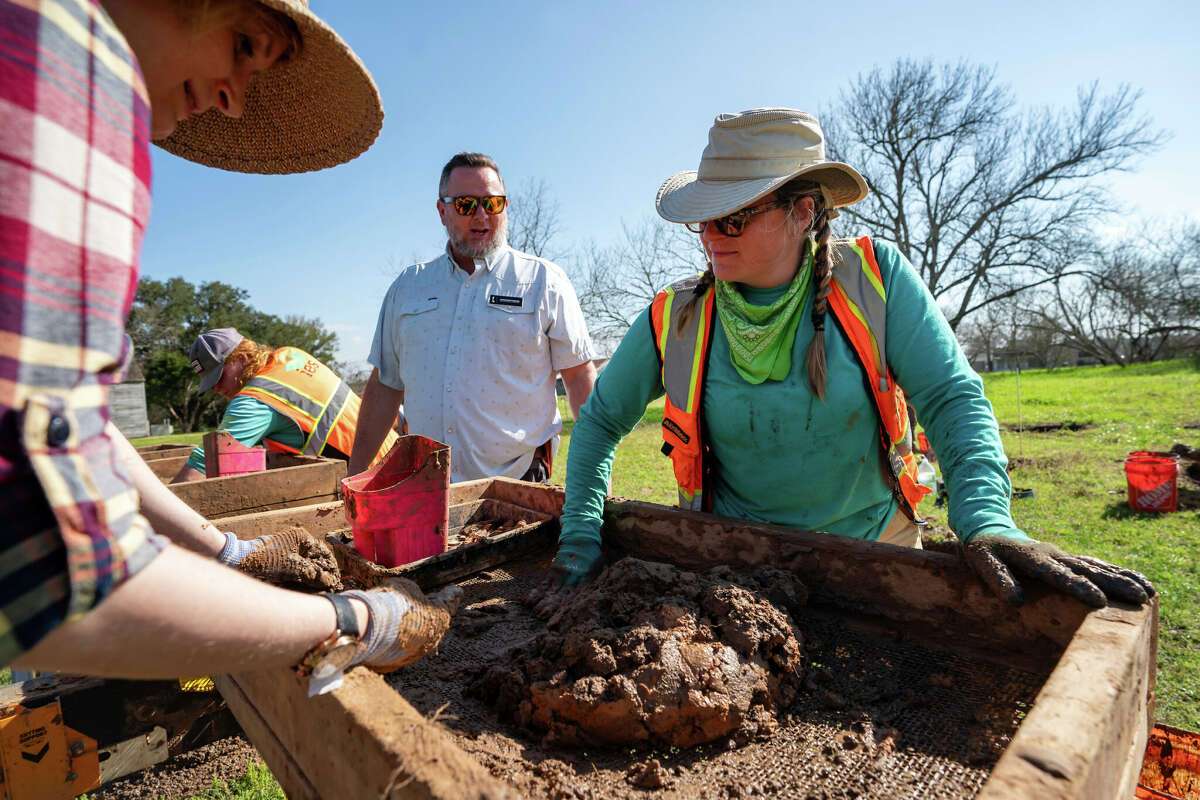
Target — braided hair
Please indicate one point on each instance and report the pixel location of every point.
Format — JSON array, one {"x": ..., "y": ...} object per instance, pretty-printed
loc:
[
  {"x": 820, "y": 231},
  {"x": 689, "y": 305}
]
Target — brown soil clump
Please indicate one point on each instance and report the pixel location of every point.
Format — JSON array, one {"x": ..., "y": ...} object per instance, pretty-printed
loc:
[
  {"x": 650, "y": 654},
  {"x": 481, "y": 530},
  {"x": 295, "y": 559}
]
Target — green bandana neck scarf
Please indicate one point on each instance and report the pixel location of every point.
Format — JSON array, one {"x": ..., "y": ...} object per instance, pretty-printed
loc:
[{"x": 761, "y": 337}]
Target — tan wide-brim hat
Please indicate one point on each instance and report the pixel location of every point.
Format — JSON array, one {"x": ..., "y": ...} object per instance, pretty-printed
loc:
[
  {"x": 751, "y": 154},
  {"x": 318, "y": 110}
]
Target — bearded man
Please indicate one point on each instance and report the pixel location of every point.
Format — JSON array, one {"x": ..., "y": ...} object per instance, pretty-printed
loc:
[{"x": 468, "y": 345}]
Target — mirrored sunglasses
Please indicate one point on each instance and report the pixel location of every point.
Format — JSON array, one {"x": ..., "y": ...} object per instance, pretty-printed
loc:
[{"x": 465, "y": 204}]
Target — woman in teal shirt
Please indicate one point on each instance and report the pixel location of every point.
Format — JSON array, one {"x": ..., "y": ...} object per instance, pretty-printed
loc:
[{"x": 792, "y": 432}]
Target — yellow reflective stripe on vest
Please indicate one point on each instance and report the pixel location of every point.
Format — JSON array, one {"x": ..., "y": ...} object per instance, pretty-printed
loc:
[
  {"x": 666, "y": 315},
  {"x": 303, "y": 403},
  {"x": 867, "y": 300},
  {"x": 324, "y": 426},
  {"x": 680, "y": 367},
  {"x": 697, "y": 351},
  {"x": 691, "y": 502}
]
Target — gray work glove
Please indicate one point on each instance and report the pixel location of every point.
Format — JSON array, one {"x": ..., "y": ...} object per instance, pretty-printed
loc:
[
  {"x": 403, "y": 625},
  {"x": 293, "y": 558},
  {"x": 999, "y": 559}
]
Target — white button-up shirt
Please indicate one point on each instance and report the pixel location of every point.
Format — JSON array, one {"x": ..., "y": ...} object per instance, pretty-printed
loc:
[{"x": 476, "y": 356}]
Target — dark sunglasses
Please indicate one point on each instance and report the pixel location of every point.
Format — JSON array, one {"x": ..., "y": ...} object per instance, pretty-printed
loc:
[
  {"x": 733, "y": 224},
  {"x": 465, "y": 204}
]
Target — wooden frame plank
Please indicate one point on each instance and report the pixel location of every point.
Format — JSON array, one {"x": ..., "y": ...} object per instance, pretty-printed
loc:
[
  {"x": 304, "y": 484},
  {"x": 383, "y": 747},
  {"x": 149, "y": 452},
  {"x": 1086, "y": 733}
]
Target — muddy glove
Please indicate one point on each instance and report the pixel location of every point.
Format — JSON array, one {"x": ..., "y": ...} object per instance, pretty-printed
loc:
[
  {"x": 575, "y": 562},
  {"x": 1183, "y": 451},
  {"x": 403, "y": 625},
  {"x": 998, "y": 559},
  {"x": 293, "y": 558}
]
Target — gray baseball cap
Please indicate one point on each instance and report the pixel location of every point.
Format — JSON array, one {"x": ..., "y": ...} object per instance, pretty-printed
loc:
[{"x": 208, "y": 354}]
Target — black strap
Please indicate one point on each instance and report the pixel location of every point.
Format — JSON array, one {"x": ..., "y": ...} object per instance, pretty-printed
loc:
[{"x": 347, "y": 620}]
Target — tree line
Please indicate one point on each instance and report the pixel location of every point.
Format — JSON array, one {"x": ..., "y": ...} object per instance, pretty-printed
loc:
[
  {"x": 999, "y": 207},
  {"x": 166, "y": 318}
]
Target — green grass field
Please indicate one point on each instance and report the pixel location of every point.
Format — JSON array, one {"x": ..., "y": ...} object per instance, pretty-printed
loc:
[{"x": 1079, "y": 498}]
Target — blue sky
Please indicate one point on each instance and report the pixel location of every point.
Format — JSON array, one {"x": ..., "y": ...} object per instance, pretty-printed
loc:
[{"x": 603, "y": 101}]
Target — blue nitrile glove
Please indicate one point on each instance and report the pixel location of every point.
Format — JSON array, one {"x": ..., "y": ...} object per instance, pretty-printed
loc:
[{"x": 576, "y": 561}]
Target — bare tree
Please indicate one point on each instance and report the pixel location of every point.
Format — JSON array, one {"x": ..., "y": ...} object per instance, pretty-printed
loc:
[
  {"x": 987, "y": 201},
  {"x": 616, "y": 282},
  {"x": 1138, "y": 300},
  {"x": 1004, "y": 334},
  {"x": 533, "y": 221}
]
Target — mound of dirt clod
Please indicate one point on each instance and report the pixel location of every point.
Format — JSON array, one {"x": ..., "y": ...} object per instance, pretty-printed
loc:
[{"x": 651, "y": 654}]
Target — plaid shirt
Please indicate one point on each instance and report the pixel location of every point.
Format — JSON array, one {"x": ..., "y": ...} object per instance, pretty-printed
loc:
[{"x": 74, "y": 200}]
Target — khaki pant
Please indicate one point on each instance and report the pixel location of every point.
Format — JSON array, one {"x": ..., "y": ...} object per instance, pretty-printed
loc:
[{"x": 901, "y": 531}]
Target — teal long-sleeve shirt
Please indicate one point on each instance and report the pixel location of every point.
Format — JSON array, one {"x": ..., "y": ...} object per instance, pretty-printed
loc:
[
  {"x": 782, "y": 455},
  {"x": 250, "y": 420}
]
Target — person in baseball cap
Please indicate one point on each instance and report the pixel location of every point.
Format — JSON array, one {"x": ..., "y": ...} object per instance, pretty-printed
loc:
[
  {"x": 208, "y": 353},
  {"x": 281, "y": 397}
]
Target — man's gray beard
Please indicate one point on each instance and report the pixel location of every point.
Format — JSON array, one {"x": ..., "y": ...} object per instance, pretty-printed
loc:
[{"x": 498, "y": 240}]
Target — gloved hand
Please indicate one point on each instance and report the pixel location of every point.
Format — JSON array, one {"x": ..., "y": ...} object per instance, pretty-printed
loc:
[
  {"x": 1092, "y": 581},
  {"x": 293, "y": 558},
  {"x": 403, "y": 625},
  {"x": 575, "y": 562},
  {"x": 1183, "y": 451}
]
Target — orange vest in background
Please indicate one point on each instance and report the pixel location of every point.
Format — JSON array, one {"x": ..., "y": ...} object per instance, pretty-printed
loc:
[
  {"x": 858, "y": 302},
  {"x": 309, "y": 393}
]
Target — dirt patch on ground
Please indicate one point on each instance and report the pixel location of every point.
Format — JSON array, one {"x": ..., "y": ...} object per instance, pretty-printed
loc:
[
  {"x": 648, "y": 654},
  {"x": 1016, "y": 463},
  {"x": 1047, "y": 427},
  {"x": 185, "y": 775}
]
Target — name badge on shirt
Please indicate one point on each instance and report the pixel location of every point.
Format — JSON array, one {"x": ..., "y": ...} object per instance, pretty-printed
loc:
[{"x": 504, "y": 300}]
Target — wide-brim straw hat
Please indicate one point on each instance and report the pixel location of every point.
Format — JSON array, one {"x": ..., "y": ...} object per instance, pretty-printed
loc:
[
  {"x": 318, "y": 110},
  {"x": 750, "y": 154}
]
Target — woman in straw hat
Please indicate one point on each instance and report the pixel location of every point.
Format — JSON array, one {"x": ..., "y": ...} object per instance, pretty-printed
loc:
[
  {"x": 788, "y": 368},
  {"x": 90, "y": 583}
]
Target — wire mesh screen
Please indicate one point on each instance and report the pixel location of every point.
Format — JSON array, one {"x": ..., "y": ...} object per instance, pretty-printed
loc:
[{"x": 879, "y": 717}]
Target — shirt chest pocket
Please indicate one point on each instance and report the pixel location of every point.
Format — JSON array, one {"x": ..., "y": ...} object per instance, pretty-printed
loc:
[
  {"x": 415, "y": 305},
  {"x": 412, "y": 318},
  {"x": 511, "y": 311}
]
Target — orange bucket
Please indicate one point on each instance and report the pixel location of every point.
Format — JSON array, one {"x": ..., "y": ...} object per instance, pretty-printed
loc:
[
  {"x": 1151, "y": 478},
  {"x": 397, "y": 508}
]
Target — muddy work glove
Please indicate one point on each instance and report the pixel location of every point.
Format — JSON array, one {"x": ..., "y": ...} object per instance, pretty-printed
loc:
[
  {"x": 403, "y": 624},
  {"x": 292, "y": 558},
  {"x": 1000, "y": 560}
]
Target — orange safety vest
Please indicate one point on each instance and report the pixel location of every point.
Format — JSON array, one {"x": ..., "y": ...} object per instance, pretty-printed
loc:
[
  {"x": 858, "y": 301},
  {"x": 309, "y": 393}
]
